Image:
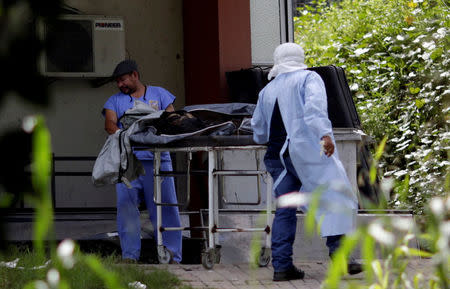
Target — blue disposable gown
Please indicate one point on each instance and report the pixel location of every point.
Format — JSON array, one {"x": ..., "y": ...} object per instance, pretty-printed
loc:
[{"x": 302, "y": 101}]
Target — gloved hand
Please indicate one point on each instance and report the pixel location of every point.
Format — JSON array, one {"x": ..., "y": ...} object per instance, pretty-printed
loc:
[{"x": 327, "y": 145}]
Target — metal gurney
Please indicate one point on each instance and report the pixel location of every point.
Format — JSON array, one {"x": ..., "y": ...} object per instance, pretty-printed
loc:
[{"x": 214, "y": 146}]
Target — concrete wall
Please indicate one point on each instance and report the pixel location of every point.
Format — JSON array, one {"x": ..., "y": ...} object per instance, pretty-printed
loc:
[{"x": 154, "y": 37}]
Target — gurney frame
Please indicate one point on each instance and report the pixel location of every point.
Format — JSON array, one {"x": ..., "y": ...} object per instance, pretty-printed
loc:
[{"x": 211, "y": 254}]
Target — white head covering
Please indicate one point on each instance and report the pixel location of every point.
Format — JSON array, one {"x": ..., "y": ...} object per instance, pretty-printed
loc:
[{"x": 287, "y": 57}]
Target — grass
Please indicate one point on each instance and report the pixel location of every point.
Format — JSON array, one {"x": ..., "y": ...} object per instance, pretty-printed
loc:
[{"x": 81, "y": 276}]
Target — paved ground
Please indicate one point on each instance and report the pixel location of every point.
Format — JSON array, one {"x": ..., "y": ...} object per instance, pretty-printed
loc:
[{"x": 242, "y": 277}]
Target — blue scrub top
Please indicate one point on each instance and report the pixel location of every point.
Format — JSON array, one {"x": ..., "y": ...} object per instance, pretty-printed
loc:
[
  {"x": 277, "y": 136},
  {"x": 157, "y": 97}
]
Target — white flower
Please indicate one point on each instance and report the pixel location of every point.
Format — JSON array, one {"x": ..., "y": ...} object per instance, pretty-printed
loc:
[
  {"x": 429, "y": 45},
  {"x": 404, "y": 249},
  {"x": 66, "y": 248},
  {"x": 417, "y": 40},
  {"x": 445, "y": 229},
  {"x": 65, "y": 253},
  {"x": 53, "y": 277},
  {"x": 437, "y": 206},
  {"x": 386, "y": 39},
  {"x": 40, "y": 285},
  {"x": 403, "y": 224},
  {"x": 361, "y": 51},
  {"x": 355, "y": 71},
  {"x": 137, "y": 285},
  {"x": 386, "y": 186},
  {"x": 29, "y": 123},
  {"x": 293, "y": 200},
  {"x": 354, "y": 87},
  {"x": 400, "y": 37},
  {"x": 414, "y": 52},
  {"x": 337, "y": 45},
  {"x": 411, "y": 74},
  {"x": 440, "y": 33},
  {"x": 400, "y": 173},
  {"x": 426, "y": 141},
  {"x": 426, "y": 56},
  {"x": 409, "y": 237},
  {"x": 368, "y": 35},
  {"x": 381, "y": 235}
]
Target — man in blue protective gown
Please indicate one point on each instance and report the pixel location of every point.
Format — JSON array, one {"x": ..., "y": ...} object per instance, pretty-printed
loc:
[
  {"x": 126, "y": 75},
  {"x": 291, "y": 117}
]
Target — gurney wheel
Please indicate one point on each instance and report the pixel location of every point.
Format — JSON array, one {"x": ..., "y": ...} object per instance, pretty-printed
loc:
[
  {"x": 264, "y": 257},
  {"x": 209, "y": 258},
  {"x": 164, "y": 255}
]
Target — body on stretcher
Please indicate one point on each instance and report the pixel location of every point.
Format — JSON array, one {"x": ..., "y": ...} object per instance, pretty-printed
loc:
[{"x": 214, "y": 146}]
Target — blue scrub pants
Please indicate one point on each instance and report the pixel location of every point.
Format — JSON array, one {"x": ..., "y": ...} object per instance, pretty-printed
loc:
[
  {"x": 128, "y": 223},
  {"x": 285, "y": 221}
]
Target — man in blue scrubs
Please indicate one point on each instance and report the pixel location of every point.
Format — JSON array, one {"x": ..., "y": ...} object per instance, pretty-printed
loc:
[
  {"x": 126, "y": 75},
  {"x": 291, "y": 117}
]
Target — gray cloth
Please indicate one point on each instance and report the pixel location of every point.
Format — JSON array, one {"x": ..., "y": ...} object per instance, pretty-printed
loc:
[
  {"x": 236, "y": 109},
  {"x": 116, "y": 159},
  {"x": 138, "y": 110},
  {"x": 149, "y": 136},
  {"x": 109, "y": 163}
]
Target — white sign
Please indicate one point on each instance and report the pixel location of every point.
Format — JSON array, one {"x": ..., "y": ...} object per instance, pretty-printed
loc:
[{"x": 116, "y": 25}]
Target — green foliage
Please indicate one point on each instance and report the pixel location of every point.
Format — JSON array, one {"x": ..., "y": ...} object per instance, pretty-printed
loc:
[
  {"x": 82, "y": 274},
  {"x": 16, "y": 278},
  {"x": 20, "y": 49},
  {"x": 41, "y": 170},
  {"x": 338, "y": 266},
  {"x": 396, "y": 55},
  {"x": 390, "y": 238},
  {"x": 70, "y": 269},
  {"x": 313, "y": 207}
]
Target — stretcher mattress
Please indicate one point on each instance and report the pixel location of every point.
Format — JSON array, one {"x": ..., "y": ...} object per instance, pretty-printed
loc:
[{"x": 202, "y": 141}]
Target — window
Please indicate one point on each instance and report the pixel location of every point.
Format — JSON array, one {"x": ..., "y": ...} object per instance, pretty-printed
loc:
[{"x": 271, "y": 24}]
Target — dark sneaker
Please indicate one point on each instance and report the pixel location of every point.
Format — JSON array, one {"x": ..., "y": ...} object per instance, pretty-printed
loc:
[
  {"x": 354, "y": 268},
  {"x": 129, "y": 261},
  {"x": 292, "y": 274}
]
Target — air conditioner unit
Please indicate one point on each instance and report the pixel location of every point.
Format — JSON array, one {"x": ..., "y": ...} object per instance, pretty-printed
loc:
[{"x": 82, "y": 46}]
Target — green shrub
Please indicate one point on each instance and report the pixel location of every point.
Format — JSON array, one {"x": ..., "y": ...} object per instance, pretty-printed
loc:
[{"x": 396, "y": 57}]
